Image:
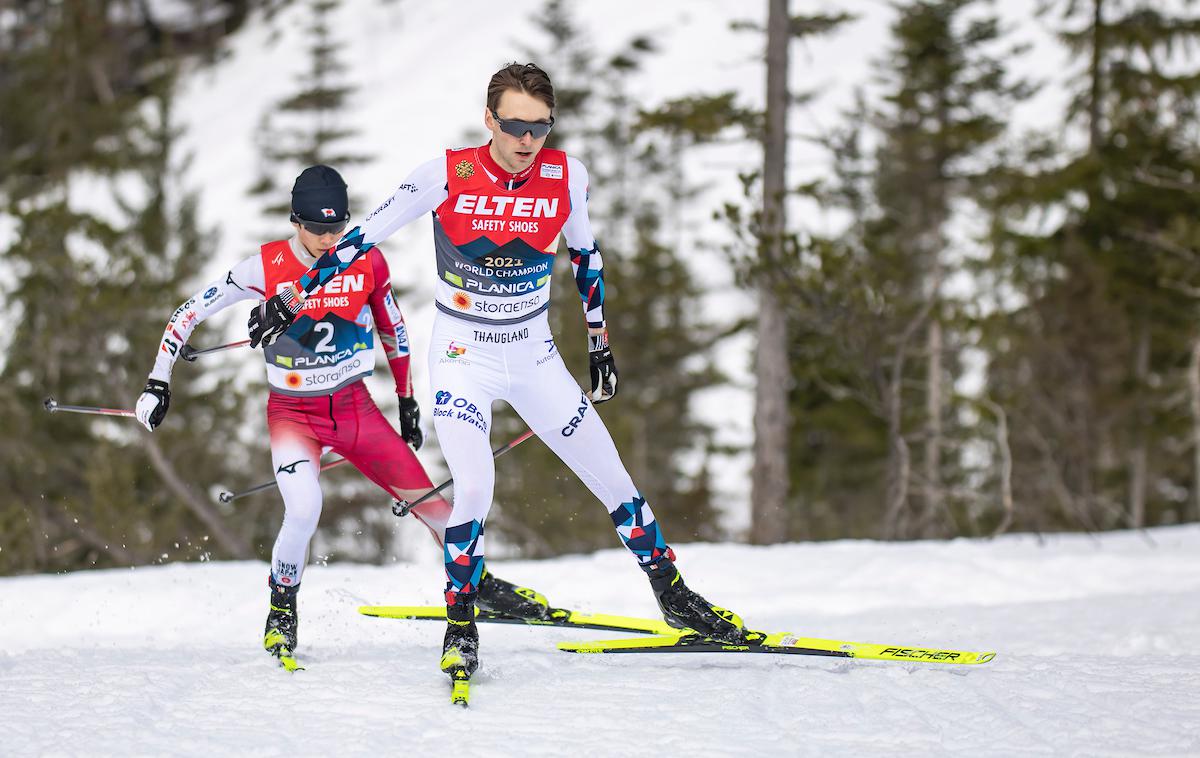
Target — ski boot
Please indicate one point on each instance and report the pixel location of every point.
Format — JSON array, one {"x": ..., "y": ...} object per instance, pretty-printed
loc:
[
  {"x": 500, "y": 596},
  {"x": 283, "y": 623},
  {"x": 460, "y": 646},
  {"x": 684, "y": 609}
]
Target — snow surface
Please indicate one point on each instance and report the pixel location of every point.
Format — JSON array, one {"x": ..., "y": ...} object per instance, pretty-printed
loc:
[
  {"x": 1096, "y": 638},
  {"x": 1096, "y": 642}
]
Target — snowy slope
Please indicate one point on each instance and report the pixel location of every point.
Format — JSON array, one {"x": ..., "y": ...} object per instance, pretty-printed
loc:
[{"x": 1097, "y": 643}]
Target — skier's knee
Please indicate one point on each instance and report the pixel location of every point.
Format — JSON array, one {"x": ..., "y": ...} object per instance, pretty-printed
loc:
[
  {"x": 301, "y": 523},
  {"x": 475, "y": 495}
]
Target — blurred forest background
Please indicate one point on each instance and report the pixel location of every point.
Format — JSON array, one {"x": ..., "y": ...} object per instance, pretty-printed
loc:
[{"x": 1045, "y": 379}]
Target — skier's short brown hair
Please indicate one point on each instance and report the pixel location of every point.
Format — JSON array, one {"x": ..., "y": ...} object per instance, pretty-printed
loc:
[{"x": 522, "y": 77}]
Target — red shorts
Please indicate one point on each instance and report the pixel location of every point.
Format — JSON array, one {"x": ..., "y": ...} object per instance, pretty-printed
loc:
[{"x": 349, "y": 423}]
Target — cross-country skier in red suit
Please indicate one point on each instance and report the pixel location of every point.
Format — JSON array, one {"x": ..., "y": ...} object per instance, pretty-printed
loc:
[
  {"x": 497, "y": 212},
  {"x": 318, "y": 401}
]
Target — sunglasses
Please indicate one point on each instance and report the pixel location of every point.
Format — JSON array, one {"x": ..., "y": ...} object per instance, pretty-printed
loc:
[
  {"x": 318, "y": 227},
  {"x": 517, "y": 128}
]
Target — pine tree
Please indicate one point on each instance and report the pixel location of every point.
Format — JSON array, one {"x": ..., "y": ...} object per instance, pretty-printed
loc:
[
  {"x": 862, "y": 301},
  {"x": 85, "y": 290},
  {"x": 307, "y": 127},
  {"x": 948, "y": 102},
  {"x": 702, "y": 118},
  {"x": 1095, "y": 361}
]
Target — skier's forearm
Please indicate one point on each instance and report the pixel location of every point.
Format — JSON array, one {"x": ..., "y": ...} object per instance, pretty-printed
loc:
[
  {"x": 588, "y": 267},
  {"x": 333, "y": 262},
  {"x": 400, "y": 366},
  {"x": 586, "y": 261},
  {"x": 389, "y": 323},
  {"x": 394, "y": 337},
  {"x": 240, "y": 283},
  {"x": 422, "y": 191}
]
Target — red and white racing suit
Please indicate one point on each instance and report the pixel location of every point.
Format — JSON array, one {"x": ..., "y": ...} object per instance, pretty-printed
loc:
[{"x": 318, "y": 401}]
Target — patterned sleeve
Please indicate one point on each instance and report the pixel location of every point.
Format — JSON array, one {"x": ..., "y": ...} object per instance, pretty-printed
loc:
[
  {"x": 389, "y": 322},
  {"x": 422, "y": 192},
  {"x": 244, "y": 281},
  {"x": 586, "y": 261}
]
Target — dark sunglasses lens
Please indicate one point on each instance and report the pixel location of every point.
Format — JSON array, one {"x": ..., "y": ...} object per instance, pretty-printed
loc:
[
  {"x": 314, "y": 227},
  {"x": 536, "y": 129}
]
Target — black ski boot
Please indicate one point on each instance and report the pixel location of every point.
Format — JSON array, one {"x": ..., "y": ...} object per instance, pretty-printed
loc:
[
  {"x": 460, "y": 646},
  {"x": 500, "y": 596},
  {"x": 283, "y": 622},
  {"x": 684, "y": 609}
]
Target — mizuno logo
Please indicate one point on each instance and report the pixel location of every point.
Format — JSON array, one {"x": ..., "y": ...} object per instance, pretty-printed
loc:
[{"x": 291, "y": 467}]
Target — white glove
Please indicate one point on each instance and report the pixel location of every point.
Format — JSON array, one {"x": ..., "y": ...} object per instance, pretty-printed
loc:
[{"x": 152, "y": 404}]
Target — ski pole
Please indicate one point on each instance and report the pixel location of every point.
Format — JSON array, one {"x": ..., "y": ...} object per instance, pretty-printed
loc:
[
  {"x": 54, "y": 406},
  {"x": 189, "y": 353},
  {"x": 402, "y": 507},
  {"x": 229, "y": 497}
]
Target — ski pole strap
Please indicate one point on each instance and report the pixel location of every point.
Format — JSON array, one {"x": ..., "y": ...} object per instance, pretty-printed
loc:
[
  {"x": 189, "y": 353},
  {"x": 402, "y": 507},
  {"x": 53, "y": 406},
  {"x": 229, "y": 497}
]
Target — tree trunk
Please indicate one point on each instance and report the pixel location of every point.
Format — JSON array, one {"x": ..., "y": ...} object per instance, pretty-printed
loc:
[
  {"x": 98, "y": 541},
  {"x": 1137, "y": 450},
  {"x": 899, "y": 468},
  {"x": 933, "y": 426},
  {"x": 233, "y": 543},
  {"x": 1096, "y": 99},
  {"x": 769, "y": 488},
  {"x": 895, "y": 521},
  {"x": 1194, "y": 395},
  {"x": 1006, "y": 466}
]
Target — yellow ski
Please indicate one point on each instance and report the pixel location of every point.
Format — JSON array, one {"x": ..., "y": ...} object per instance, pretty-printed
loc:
[
  {"x": 556, "y": 617},
  {"x": 784, "y": 643},
  {"x": 454, "y": 664},
  {"x": 460, "y": 688},
  {"x": 276, "y": 645}
]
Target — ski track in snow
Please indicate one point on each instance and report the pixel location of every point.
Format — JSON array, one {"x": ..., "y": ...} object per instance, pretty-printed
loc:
[{"x": 1096, "y": 643}]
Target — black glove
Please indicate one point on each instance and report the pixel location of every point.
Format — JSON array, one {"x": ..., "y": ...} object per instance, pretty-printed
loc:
[
  {"x": 604, "y": 369},
  {"x": 410, "y": 422},
  {"x": 152, "y": 404},
  {"x": 270, "y": 319}
]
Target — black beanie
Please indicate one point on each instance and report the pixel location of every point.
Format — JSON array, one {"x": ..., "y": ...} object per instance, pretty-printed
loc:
[{"x": 319, "y": 196}]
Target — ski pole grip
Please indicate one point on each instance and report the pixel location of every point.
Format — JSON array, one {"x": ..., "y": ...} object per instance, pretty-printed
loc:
[{"x": 188, "y": 353}]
